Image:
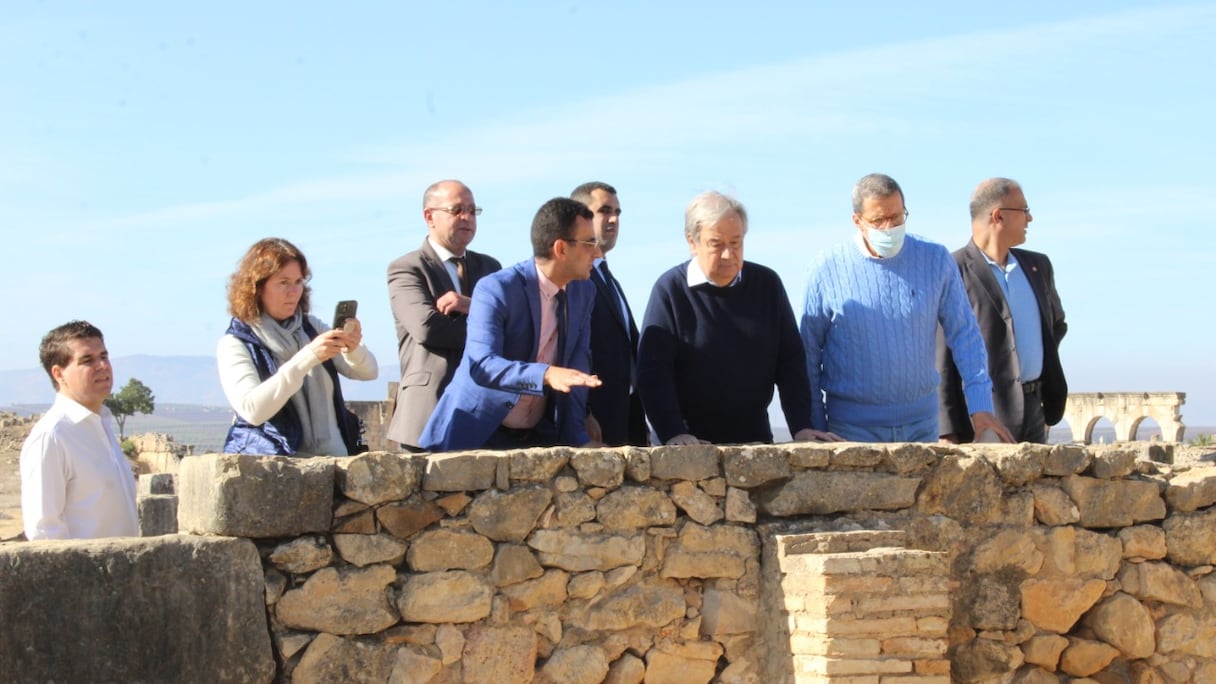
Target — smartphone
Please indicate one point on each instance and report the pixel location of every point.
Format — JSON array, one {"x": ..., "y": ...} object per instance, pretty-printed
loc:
[{"x": 344, "y": 310}]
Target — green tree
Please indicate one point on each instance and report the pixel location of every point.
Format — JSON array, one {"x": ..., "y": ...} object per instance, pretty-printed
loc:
[{"x": 134, "y": 397}]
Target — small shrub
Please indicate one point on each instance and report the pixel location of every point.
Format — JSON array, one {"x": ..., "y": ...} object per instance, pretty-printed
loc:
[
  {"x": 128, "y": 448},
  {"x": 1204, "y": 439}
]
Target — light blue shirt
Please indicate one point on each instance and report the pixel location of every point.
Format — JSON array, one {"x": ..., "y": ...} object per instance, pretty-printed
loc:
[{"x": 1027, "y": 324}]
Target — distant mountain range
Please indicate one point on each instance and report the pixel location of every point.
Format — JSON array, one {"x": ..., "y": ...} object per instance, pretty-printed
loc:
[{"x": 172, "y": 379}]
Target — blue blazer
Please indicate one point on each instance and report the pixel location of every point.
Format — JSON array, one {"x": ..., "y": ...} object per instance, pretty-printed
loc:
[{"x": 499, "y": 365}]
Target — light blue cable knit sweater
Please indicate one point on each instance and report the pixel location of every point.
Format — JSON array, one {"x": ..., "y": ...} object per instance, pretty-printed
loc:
[{"x": 870, "y": 332}]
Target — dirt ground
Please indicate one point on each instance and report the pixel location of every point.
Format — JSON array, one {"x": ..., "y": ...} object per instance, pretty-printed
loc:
[{"x": 13, "y": 430}]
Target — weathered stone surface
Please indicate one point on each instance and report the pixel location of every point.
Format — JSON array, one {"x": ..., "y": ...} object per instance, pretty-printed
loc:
[
  {"x": 1017, "y": 464},
  {"x": 302, "y": 555},
  {"x": 638, "y": 606},
  {"x": 403, "y": 520},
  {"x": 692, "y": 463},
  {"x": 981, "y": 659},
  {"x": 903, "y": 459},
  {"x": 1123, "y": 622},
  {"x": 699, "y": 506},
  {"x": 1053, "y": 507},
  {"x": 739, "y": 506},
  {"x": 1056, "y": 605},
  {"x": 414, "y": 665},
  {"x": 453, "y": 504},
  {"x": 499, "y": 655},
  {"x": 1034, "y": 675},
  {"x": 718, "y": 551},
  {"x": 669, "y": 668},
  {"x": 578, "y": 551},
  {"x": 1044, "y": 650},
  {"x": 340, "y": 601},
  {"x": 628, "y": 669},
  {"x": 331, "y": 659},
  {"x": 449, "y": 596},
  {"x": 1009, "y": 548},
  {"x": 1119, "y": 503},
  {"x": 134, "y": 610},
  {"x": 368, "y": 549},
  {"x": 547, "y": 590},
  {"x": 1066, "y": 459},
  {"x": 450, "y": 641},
  {"x": 725, "y": 612},
  {"x": 509, "y": 516},
  {"x": 1084, "y": 657},
  {"x": 276, "y": 584},
  {"x": 754, "y": 466},
  {"x": 1143, "y": 541},
  {"x": 449, "y": 550},
  {"x": 1192, "y": 490},
  {"x": 419, "y": 635},
  {"x": 809, "y": 454},
  {"x": 599, "y": 468},
  {"x": 571, "y": 509},
  {"x": 1160, "y": 582},
  {"x": 1097, "y": 555},
  {"x": 637, "y": 463},
  {"x": 993, "y": 600},
  {"x": 584, "y": 585},
  {"x": 576, "y": 665},
  {"x": 538, "y": 465},
  {"x": 857, "y": 456},
  {"x": 460, "y": 472},
  {"x": 821, "y": 493},
  {"x": 157, "y": 513},
  {"x": 363, "y": 522},
  {"x": 630, "y": 508},
  {"x": 514, "y": 563},
  {"x": 1190, "y": 538},
  {"x": 376, "y": 477},
  {"x": 962, "y": 488},
  {"x": 1112, "y": 462},
  {"x": 255, "y": 496}
]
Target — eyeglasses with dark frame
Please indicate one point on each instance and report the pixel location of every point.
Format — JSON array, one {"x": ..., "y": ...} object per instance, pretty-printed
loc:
[
  {"x": 1024, "y": 210},
  {"x": 458, "y": 209}
]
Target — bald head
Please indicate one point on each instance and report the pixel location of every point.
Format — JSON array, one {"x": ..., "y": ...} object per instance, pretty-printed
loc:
[
  {"x": 999, "y": 217},
  {"x": 450, "y": 215}
]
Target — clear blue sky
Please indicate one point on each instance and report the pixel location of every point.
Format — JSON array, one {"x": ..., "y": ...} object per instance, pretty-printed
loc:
[{"x": 145, "y": 146}]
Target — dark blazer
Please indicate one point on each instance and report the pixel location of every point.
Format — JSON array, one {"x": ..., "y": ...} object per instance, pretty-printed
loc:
[
  {"x": 614, "y": 354},
  {"x": 996, "y": 326},
  {"x": 429, "y": 343},
  {"x": 499, "y": 365}
]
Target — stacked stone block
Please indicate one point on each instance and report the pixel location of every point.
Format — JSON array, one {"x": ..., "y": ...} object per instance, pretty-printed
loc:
[{"x": 861, "y": 609}]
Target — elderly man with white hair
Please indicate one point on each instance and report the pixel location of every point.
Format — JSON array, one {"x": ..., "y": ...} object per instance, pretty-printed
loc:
[{"x": 719, "y": 334}]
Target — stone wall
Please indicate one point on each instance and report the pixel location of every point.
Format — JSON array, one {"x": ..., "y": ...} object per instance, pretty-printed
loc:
[{"x": 910, "y": 564}]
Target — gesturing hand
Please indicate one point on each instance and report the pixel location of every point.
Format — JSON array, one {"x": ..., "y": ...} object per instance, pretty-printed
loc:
[{"x": 563, "y": 379}]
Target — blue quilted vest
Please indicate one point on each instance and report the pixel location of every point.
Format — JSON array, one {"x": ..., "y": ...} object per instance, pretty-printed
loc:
[{"x": 281, "y": 435}]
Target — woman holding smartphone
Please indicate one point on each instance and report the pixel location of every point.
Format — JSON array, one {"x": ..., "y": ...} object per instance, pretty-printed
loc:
[{"x": 279, "y": 366}]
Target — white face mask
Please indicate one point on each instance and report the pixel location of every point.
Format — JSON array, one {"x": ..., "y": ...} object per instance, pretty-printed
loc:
[{"x": 886, "y": 243}]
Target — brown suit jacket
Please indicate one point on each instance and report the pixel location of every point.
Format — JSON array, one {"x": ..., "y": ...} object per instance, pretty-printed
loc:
[
  {"x": 996, "y": 327},
  {"x": 429, "y": 343}
]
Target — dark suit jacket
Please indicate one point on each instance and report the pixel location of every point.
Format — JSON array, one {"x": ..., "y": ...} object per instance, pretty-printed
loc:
[
  {"x": 614, "y": 353},
  {"x": 996, "y": 326},
  {"x": 499, "y": 362},
  {"x": 429, "y": 343}
]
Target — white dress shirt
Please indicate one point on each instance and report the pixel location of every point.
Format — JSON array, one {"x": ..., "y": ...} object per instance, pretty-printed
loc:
[{"x": 75, "y": 481}]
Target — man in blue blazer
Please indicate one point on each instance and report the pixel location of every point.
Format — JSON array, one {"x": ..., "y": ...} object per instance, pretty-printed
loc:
[{"x": 523, "y": 378}]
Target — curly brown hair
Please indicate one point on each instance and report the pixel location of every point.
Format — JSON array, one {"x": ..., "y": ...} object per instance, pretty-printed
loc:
[{"x": 265, "y": 258}]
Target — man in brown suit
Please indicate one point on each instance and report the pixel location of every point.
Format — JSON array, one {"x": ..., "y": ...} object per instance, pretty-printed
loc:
[
  {"x": 429, "y": 290},
  {"x": 1013, "y": 294}
]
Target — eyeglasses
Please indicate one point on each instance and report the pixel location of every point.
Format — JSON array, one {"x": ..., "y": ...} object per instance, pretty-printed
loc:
[
  {"x": 1024, "y": 210},
  {"x": 888, "y": 221},
  {"x": 458, "y": 209},
  {"x": 593, "y": 243}
]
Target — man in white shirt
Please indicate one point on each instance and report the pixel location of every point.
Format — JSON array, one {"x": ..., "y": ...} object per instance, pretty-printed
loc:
[{"x": 75, "y": 481}]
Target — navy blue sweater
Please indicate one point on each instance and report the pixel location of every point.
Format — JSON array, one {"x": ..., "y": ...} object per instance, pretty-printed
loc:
[{"x": 710, "y": 357}]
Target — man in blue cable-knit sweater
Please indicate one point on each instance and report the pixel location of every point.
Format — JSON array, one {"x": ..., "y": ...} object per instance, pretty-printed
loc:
[{"x": 873, "y": 307}]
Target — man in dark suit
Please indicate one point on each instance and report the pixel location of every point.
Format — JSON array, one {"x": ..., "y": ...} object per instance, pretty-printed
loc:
[
  {"x": 430, "y": 290},
  {"x": 614, "y": 336},
  {"x": 523, "y": 379},
  {"x": 1013, "y": 294}
]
